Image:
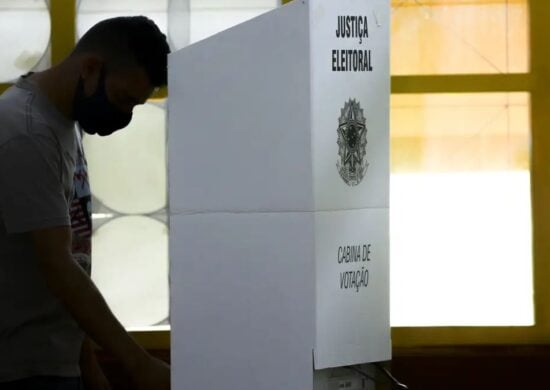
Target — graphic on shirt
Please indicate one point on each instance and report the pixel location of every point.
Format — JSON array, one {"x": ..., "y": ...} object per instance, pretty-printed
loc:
[{"x": 81, "y": 211}]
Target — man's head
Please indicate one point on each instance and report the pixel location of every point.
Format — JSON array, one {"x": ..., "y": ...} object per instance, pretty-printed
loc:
[{"x": 121, "y": 61}]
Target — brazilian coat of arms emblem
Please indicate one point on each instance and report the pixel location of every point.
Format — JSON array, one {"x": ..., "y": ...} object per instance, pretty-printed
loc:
[{"x": 352, "y": 143}]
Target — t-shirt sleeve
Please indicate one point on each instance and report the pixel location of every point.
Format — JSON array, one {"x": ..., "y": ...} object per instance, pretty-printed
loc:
[{"x": 31, "y": 192}]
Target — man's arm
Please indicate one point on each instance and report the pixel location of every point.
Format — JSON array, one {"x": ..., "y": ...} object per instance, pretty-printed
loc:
[{"x": 74, "y": 288}]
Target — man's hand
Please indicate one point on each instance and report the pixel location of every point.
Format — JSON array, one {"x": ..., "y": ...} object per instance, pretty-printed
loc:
[
  {"x": 92, "y": 375},
  {"x": 152, "y": 374}
]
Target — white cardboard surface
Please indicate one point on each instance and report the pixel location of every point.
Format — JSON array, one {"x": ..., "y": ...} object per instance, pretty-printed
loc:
[
  {"x": 242, "y": 288},
  {"x": 239, "y": 118},
  {"x": 258, "y": 208},
  {"x": 352, "y": 325},
  {"x": 332, "y": 89},
  {"x": 352, "y": 291}
]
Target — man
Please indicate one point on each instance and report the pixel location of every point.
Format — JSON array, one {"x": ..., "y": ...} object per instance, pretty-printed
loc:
[{"x": 49, "y": 306}]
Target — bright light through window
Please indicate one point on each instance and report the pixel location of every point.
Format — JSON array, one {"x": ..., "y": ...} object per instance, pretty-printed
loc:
[
  {"x": 461, "y": 249},
  {"x": 460, "y": 210},
  {"x": 25, "y": 32},
  {"x": 209, "y": 17}
]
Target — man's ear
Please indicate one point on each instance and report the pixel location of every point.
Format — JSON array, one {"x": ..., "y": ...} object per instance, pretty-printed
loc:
[{"x": 90, "y": 70}]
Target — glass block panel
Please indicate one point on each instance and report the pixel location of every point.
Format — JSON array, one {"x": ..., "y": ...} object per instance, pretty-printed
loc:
[
  {"x": 459, "y": 36},
  {"x": 128, "y": 169},
  {"x": 209, "y": 17},
  {"x": 171, "y": 16},
  {"x": 130, "y": 267},
  {"x": 460, "y": 132},
  {"x": 179, "y": 28},
  {"x": 92, "y": 11},
  {"x": 25, "y": 31},
  {"x": 460, "y": 210}
]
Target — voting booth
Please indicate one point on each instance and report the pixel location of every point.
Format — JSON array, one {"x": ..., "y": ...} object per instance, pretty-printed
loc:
[{"x": 279, "y": 198}]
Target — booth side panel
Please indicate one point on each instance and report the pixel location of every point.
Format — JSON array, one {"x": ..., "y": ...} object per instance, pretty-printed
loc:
[
  {"x": 239, "y": 106},
  {"x": 242, "y": 301}
]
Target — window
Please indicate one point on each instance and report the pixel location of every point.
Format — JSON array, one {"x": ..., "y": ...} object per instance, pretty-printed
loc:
[
  {"x": 130, "y": 241},
  {"x": 459, "y": 36},
  {"x": 461, "y": 237},
  {"x": 128, "y": 169},
  {"x": 461, "y": 210},
  {"x": 209, "y": 17},
  {"x": 25, "y": 32}
]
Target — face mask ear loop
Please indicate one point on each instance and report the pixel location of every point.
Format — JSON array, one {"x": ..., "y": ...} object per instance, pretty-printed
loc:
[{"x": 101, "y": 82}]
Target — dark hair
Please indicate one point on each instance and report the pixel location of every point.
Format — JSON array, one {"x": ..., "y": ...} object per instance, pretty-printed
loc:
[{"x": 126, "y": 41}]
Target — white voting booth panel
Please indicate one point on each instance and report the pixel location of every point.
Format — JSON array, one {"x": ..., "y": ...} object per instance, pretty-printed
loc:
[{"x": 279, "y": 197}]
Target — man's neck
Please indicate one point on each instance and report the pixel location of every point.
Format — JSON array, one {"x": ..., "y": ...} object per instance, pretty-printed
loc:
[{"x": 59, "y": 86}]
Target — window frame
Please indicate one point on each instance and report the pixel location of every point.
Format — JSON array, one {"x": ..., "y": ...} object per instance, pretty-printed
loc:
[{"x": 532, "y": 83}]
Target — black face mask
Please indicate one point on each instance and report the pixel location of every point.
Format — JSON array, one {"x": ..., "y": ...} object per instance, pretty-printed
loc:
[{"x": 95, "y": 113}]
